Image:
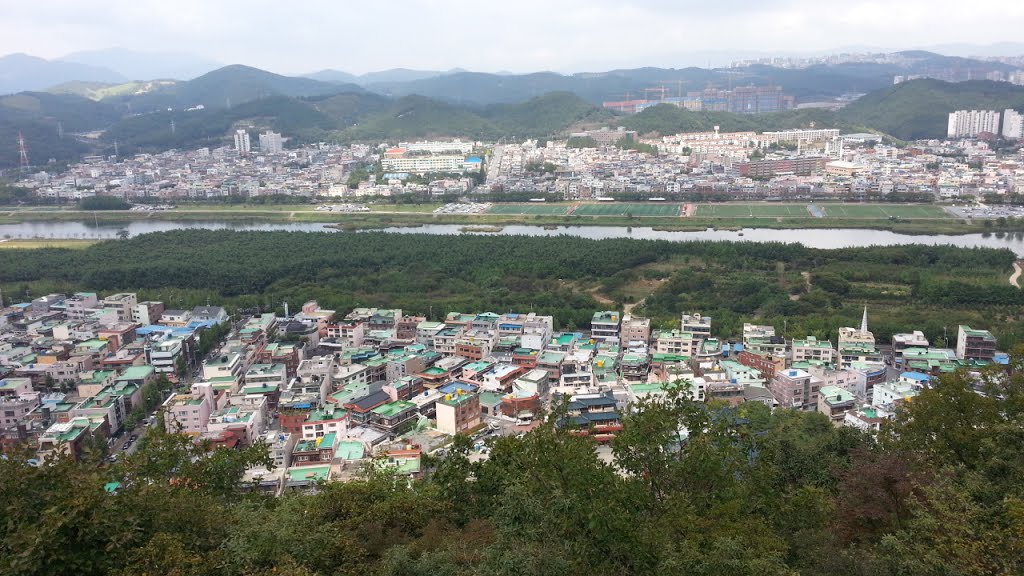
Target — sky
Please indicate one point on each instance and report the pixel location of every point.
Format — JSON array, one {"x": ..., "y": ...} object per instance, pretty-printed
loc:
[{"x": 517, "y": 35}]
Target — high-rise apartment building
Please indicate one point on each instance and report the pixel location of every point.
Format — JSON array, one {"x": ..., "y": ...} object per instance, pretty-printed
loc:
[
  {"x": 270, "y": 143},
  {"x": 970, "y": 123},
  {"x": 242, "y": 142},
  {"x": 1013, "y": 124}
]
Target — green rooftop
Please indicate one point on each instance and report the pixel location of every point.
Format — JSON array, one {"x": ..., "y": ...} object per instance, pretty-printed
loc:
[
  {"x": 393, "y": 408},
  {"x": 309, "y": 473},
  {"x": 136, "y": 373},
  {"x": 350, "y": 450},
  {"x": 326, "y": 413}
]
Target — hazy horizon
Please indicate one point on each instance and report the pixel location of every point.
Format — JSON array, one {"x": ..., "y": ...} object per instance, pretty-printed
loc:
[{"x": 577, "y": 36}]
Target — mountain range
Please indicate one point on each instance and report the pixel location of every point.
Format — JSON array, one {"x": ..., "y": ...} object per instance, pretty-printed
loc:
[{"x": 138, "y": 116}]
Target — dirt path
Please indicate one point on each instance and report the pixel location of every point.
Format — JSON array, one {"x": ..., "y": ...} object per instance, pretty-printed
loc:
[{"x": 1015, "y": 277}]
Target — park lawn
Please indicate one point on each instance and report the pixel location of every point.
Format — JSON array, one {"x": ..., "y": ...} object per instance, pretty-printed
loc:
[
  {"x": 876, "y": 211},
  {"x": 639, "y": 209},
  {"x": 752, "y": 210},
  {"x": 530, "y": 209}
]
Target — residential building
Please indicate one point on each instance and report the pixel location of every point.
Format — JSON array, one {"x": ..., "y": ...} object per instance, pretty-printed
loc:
[
  {"x": 835, "y": 402},
  {"x": 605, "y": 326},
  {"x": 699, "y": 326},
  {"x": 812, "y": 350},
  {"x": 901, "y": 342},
  {"x": 191, "y": 412},
  {"x": 974, "y": 344},
  {"x": 122, "y": 304},
  {"x": 970, "y": 123},
  {"x": 271, "y": 143},
  {"x": 593, "y": 415},
  {"x": 146, "y": 313},
  {"x": 634, "y": 330},
  {"x": 242, "y": 145},
  {"x": 459, "y": 412},
  {"x": 891, "y": 394},
  {"x": 796, "y": 389},
  {"x": 1013, "y": 124},
  {"x": 80, "y": 305}
]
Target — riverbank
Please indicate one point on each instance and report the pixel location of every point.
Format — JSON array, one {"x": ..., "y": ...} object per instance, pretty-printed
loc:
[{"x": 383, "y": 219}]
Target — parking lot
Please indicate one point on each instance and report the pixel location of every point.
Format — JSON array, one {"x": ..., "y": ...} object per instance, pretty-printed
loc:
[{"x": 988, "y": 211}]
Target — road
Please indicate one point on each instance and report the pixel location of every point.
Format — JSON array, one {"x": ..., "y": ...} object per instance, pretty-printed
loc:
[{"x": 1015, "y": 277}]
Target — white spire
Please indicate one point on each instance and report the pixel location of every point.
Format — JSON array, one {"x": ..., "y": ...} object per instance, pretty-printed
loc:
[{"x": 864, "y": 320}]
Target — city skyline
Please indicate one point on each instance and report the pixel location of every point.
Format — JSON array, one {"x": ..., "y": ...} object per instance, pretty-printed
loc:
[{"x": 578, "y": 36}]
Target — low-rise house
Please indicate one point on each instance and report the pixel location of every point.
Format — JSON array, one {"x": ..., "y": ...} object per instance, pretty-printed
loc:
[{"x": 835, "y": 402}]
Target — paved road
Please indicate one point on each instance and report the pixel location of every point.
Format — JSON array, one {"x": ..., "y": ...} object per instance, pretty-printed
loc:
[{"x": 1015, "y": 277}]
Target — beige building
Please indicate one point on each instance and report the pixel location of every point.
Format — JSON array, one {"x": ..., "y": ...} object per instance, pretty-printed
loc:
[{"x": 457, "y": 413}]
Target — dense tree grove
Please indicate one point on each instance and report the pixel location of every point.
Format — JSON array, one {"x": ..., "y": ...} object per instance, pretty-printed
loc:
[
  {"x": 697, "y": 489},
  {"x": 801, "y": 290}
]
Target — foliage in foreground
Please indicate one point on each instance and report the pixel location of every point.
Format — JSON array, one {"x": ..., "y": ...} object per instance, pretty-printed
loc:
[{"x": 700, "y": 489}]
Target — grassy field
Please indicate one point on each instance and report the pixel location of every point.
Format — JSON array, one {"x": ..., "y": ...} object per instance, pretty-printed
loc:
[
  {"x": 530, "y": 209},
  {"x": 627, "y": 208},
  {"x": 846, "y": 211},
  {"x": 882, "y": 211},
  {"x": 40, "y": 243},
  {"x": 755, "y": 210}
]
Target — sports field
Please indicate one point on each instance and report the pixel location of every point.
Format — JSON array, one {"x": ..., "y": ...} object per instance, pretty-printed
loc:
[
  {"x": 757, "y": 210},
  {"x": 530, "y": 209},
  {"x": 627, "y": 208},
  {"x": 854, "y": 211},
  {"x": 882, "y": 211}
]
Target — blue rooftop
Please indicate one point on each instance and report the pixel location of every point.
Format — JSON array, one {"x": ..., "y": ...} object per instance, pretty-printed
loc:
[
  {"x": 916, "y": 376},
  {"x": 454, "y": 387}
]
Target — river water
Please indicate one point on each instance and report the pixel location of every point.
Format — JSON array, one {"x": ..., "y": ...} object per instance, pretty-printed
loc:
[{"x": 812, "y": 237}]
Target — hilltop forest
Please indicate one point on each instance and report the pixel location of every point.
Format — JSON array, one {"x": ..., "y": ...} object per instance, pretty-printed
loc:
[
  {"x": 802, "y": 290},
  {"x": 697, "y": 489}
]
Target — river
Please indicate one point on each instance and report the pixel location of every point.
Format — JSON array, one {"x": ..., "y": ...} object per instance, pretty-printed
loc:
[{"x": 812, "y": 237}]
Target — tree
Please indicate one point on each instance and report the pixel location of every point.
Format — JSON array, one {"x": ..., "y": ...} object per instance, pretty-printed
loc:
[{"x": 123, "y": 235}]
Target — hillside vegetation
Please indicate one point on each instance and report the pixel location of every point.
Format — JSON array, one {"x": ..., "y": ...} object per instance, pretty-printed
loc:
[{"x": 920, "y": 108}]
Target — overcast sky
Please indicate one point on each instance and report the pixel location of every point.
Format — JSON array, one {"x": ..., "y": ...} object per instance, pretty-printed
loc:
[{"x": 515, "y": 35}]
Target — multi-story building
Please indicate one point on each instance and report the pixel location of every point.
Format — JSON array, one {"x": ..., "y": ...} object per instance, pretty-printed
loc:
[
  {"x": 1013, "y": 124},
  {"x": 458, "y": 412},
  {"x": 970, "y": 123},
  {"x": 634, "y": 330},
  {"x": 796, "y": 389},
  {"x": 901, "y": 342},
  {"x": 122, "y": 304},
  {"x": 191, "y": 412},
  {"x": 975, "y": 344},
  {"x": 811, "y": 349},
  {"x": 605, "y": 326},
  {"x": 835, "y": 402},
  {"x": 697, "y": 325},
  {"x": 676, "y": 342},
  {"x": 164, "y": 354},
  {"x": 80, "y": 305},
  {"x": 271, "y": 143},
  {"x": 242, "y": 144},
  {"x": 146, "y": 313}
]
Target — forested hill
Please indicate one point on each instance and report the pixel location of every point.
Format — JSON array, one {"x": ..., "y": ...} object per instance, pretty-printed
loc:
[
  {"x": 920, "y": 108},
  {"x": 744, "y": 491},
  {"x": 928, "y": 288}
]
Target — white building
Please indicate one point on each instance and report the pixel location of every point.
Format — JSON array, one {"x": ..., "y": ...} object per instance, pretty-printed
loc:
[
  {"x": 242, "y": 142},
  {"x": 1013, "y": 124},
  {"x": 970, "y": 123},
  {"x": 270, "y": 143}
]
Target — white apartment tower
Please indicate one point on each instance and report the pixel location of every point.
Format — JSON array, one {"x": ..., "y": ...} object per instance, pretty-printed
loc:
[
  {"x": 242, "y": 142},
  {"x": 970, "y": 123},
  {"x": 1013, "y": 124},
  {"x": 270, "y": 143}
]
